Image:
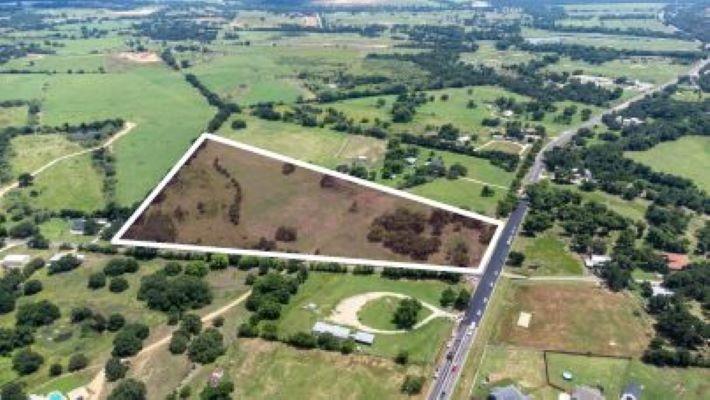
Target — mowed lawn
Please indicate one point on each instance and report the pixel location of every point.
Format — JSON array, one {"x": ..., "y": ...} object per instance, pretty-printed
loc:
[
  {"x": 379, "y": 314},
  {"x": 574, "y": 316},
  {"x": 689, "y": 157},
  {"x": 326, "y": 290},
  {"x": 168, "y": 113},
  {"x": 546, "y": 254}
]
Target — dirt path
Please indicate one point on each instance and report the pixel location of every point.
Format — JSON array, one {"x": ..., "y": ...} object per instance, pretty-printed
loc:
[
  {"x": 98, "y": 384},
  {"x": 345, "y": 313},
  {"x": 128, "y": 126},
  {"x": 484, "y": 183}
]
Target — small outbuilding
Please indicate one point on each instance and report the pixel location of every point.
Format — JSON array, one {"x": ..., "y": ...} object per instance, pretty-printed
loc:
[
  {"x": 595, "y": 260},
  {"x": 338, "y": 331},
  {"x": 13, "y": 261},
  {"x": 587, "y": 393},
  {"x": 676, "y": 261},
  {"x": 509, "y": 392},
  {"x": 77, "y": 226},
  {"x": 363, "y": 337}
]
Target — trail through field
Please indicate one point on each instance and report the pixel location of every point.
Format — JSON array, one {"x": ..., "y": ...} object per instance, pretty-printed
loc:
[
  {"x": 97, "y": 385},
  {"x": 484, "y": 183},
  {"x": 346, "y": 311},
  {"x": 128, "y": 126}
]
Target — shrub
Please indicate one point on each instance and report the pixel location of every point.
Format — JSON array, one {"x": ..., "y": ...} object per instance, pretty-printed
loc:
[
  {"x": 197, "y": 268},
  {"x": 402, "y": 357},
  {"x": 179, "y": 342},
  {"x": 97, "y": 280},
  {"x": 285, "y": 234},
  {"x": 115, "y": 322},
  {"x": 269, "y": 331},
  {"x": 66, "y": 263},
  {"x": 191, "y": 324},
  {"x": 120, "y": 266},
  {"x": 79, "y": 314},
  {"x": 448, "y": 296},
  {"x": 172, "y": 269},
  {"x": 32, "y": 287},
  {"x": 118, "y": 284},
  {"x": 303, "y": 340},
  {"x": 247, "y": 330},
  {"x": 77, "y": 362},
  {"x": 115, "y": 369},
  {"x": 206, "y": 347},
  {"x": 55, "y": 369},
  {"x": 218, "y": 321},
  {"x": 37, "y": 314},
  {"x": 128, "y": 389},
  {"x": 412, "y": 385},
  {"x": 239, "y": 124},
  {"x": 26, "y": 362},
  {"x": 219, "y": 261},
  {"x": 13, "y": 391}
]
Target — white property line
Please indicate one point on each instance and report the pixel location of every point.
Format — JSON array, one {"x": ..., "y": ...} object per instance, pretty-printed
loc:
[{"x": 119, "y": 241}]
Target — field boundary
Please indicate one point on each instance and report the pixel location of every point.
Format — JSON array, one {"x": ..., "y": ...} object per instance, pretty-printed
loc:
[{"x": 119, "y": 241}]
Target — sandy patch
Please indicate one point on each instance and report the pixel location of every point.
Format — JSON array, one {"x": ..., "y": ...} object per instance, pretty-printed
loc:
[
  {"x": 524, "y": 319},
  {"x": 144, "y": 57},
  {"x": 345, "y": 313}
]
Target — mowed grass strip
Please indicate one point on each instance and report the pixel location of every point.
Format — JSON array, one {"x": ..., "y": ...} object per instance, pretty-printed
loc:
[
  {"x": 689, "y": 157},
  {"x": 577, "y": 317}
]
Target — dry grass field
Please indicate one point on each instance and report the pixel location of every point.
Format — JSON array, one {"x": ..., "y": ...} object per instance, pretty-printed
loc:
[{"x": 230, "y": 197}]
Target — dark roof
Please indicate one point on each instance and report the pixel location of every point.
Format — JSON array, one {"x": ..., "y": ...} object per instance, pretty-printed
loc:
[
  {"x": 78, "y": 224},
  {"x": 509, "y": 392},
  {"x": 634, "y": 389}
]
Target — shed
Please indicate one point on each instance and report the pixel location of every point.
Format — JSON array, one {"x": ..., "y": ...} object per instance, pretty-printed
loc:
[
  {"x": 632, "y": 391},
  {"x": 596, "y": 260},
  {"x": 77, "y": 225},
  {"x": 586, "y": 393},
  {"x": 12, "y": 261},
  {"x": 363, "y": 337},
  {"x": 509, "y": 392},
  {"x": 338, "y": 331}
]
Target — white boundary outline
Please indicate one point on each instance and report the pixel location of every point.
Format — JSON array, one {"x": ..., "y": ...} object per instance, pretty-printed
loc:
[{"x": 119, "y": 241}]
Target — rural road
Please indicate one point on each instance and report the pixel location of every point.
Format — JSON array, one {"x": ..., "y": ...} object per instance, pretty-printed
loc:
[
  {"x": 128, "y": 126},
  {"x": 96, "y": 386},
  {"x": 450, "y": 367}
]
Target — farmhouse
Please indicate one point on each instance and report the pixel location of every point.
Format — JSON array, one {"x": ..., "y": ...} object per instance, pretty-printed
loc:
[{"x": 13, "y": 261}]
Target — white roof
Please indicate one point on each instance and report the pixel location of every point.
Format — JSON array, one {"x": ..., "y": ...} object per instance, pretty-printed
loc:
[
  {"x": 595, "y": 260},
  {"x": 16, "y": 258},
  {"x": 335, "y": 330},
  {"x": 363, "y": 337}
]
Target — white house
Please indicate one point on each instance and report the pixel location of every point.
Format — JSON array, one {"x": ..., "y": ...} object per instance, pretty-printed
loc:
[
  {"x": 596, "y": 260},
  {"x": 12, "y": 261}
]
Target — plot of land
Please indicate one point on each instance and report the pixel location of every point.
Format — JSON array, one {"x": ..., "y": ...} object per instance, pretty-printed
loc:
[
  {"x": 575, "y": 317},
  {"x": 688, "y": 156},
  {"x": 232, "y": 197},
  {"x": 546, "y": 254}
]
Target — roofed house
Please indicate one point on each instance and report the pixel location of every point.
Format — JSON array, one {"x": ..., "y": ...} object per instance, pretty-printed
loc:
[
  {"x": 676, "y": 261},
  {"x": 363, "y": 337},
  {"x": 13, "y": 261},
  {"x": 632, "y": 391},
  {"x": 586, "y": 393},
  {"x": 509, "y": 392}
]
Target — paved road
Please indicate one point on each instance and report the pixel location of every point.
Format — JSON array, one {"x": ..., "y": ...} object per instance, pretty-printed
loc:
[{"x": 449, "y": 369}]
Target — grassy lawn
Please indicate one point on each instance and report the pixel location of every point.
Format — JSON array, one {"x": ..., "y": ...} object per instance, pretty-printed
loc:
[
  {"x": 460, "y": 193},
  {"x": 57, "y": 230},
  {"x": 504, "y": 365},
  {"x": 379, "y": 313},
  {"x": 670, "y": 383},
  {"x": 30, "y": 152},
  {"x": 546, "y": 254},
  {"x": 562, "y": 314},
  {"x": 327, "y": 290},
  {"x": 695, "y": 151},
  {"x": 13, "y": 116},
  {"x": 607, "y": 374}
]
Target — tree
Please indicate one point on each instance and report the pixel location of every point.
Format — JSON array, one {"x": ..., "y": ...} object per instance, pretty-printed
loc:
[
  {"x": 129, "y": 340},
  {"x": 487, "y": 191},
  {"x": 118, "y": 284},
  {"x": 13, "y": 391},
  {"x": 172, "y": 268},
  {"x": 26, "y": 361},
  {"x": 218, "y": 261},
  {"x": 115, "y": 322},
  {"x": 402, "y": 357},
  {"x": 197, "y": 268},
  {"x": 238, "y": 124},
  {"x": 7, "y": 300},
  {"x": 407, "y": 313},
  {"x": 179, "y": 342},
  {"x": 191, "y": 324},
  {"x": 222, "y": 391},
  {"x": 23, "y": 230},
  {"x": 64, "y": 264},
  {"x": 97, "y": 280},
  {"x": 115, "y": 369},
  {"x": 516, "y": 258},
  {"x": 412, "y": 385},
  {"x": 32, "y": 287},
  {"x": 206, "y": 347},
  {"x": 462, "y": 299},
  {"x": 448, "y": 296},
  {"x": 37, "y": 314},
  {"x": 128, "y": 389},
  {"x": 55, "y": 369},
  {"x": 77, "y": 362}
]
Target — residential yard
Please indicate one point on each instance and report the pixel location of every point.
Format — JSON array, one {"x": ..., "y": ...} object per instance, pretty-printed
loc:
[
  {"x": 693, "y": 164},
  {"x": 574, "y": 316},
  {"x": 546, "y": 254},
  {"x": 607, "y": 374}
]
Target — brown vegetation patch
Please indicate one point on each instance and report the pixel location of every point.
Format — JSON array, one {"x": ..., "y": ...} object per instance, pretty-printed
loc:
[
  {"x": 143, "y": 57},
  {"x": 229, "y": 197}
]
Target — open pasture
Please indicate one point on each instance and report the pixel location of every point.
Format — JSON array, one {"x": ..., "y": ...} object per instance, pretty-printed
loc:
[
  {"x": 546, "y": 254},
  {"x": 614, "y": 41},
  {"x": 644, "y": 69},
  {"x": 30, "y": 152},
  {"x": 13, "y": 116}
]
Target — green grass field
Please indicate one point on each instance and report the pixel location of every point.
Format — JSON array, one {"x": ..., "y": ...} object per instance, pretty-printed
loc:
[
  {"x": 460, "y": 193},
  {"x": 13, "y": 116},
  {"x": 327, "y": 290},
  {"x": 378, "y": 313},
  {"x": 546, "y": 254},
  {"x": 614, "y": 41},
  {"x": 693, "y": 163},
  {"x": 651, "y": 70},
  {"x": 30, "y": 152}
]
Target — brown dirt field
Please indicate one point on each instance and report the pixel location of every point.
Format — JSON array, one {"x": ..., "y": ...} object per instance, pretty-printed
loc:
[
  {"x": 145, "y": 57},
  {"x": 194, "y": 209},
  {"x": 575, "y": 317}
]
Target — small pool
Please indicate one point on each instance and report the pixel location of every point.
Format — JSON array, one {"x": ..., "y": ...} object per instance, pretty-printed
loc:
[{"x": 56, "y": 396}]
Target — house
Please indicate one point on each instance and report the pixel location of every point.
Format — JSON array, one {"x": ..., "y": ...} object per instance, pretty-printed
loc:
[
  {"x": 632, "y": 391},
  {"x": 338, "y": 331},
  {"x": 13, "y": 261},
  {"x": 595, "y": 260},
  {"x": 80, "y": 393},
  {"x": 363, "y": 337},
  {"x": 509, "y": 392},
  {"x": 586, "y": 393},
  {"x": 676, "y": 261},
  {"x": 76, "y": 226}
]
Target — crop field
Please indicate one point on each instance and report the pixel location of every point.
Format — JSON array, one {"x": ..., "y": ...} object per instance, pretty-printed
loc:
[
  {"x": 664, "y": 157},
  {"x": 233, "y": 198},
  {"x": 29, "y": 152},
  {"x": 326, "y": 290},
  {"x": 546, "y": 254},
  {"x": 562, "y": 314}
]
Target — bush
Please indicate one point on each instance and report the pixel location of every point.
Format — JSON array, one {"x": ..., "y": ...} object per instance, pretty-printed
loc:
[
  {"x": 448, "y": 296},
  {"x": 120, "y": 266},
  {"x": 412, "y": 385},
  {"x": 26, "y": 362},
  {"x": 55, "y": 369},
  {"x": 462, "y": 299},
  {"x": 118, "y": 284},
  {"x": 247, "y": 330},
  {"x": 222, "y": 391},
  {"x": 77, "y": 362},
  {"x": 197, "y": 268},
  {"x": 32, "y": 287},
  {"x": 239, "y": 124},
  {"x": 516, "y": 258},
  {"x": 303, "y": 340},
  {"x": 115, "y": 322},
  {"x": 67, "y": 263},
  {"x": 347, "y": 346},
  {"x": 97, "y": 280},
  {"x": 402, "y": 357},
  {"x": 37, "y": 314},
  {"x": 206, "y": 347},
  {"x": 79, "y": 314},
  {"x": 129, "y": 340},
  {"x": 115, "y": 369},
  {"x": 179, "y": 342},
  {"x": 218, "y": 261},
  {"x": 13, "y": 391},
  {"x": 128, "y": 389},
  {"x": 172, "y": 269},
  {"x": 191, "y": 324},
  {"x": 23, "y": 230},
  {"x": 218, "y": 321}
]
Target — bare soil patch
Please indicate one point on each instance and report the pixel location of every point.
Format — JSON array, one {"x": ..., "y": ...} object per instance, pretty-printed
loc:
[
  {"x": 144, "y": 57},
  {"x": 230, "y": 197}
]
